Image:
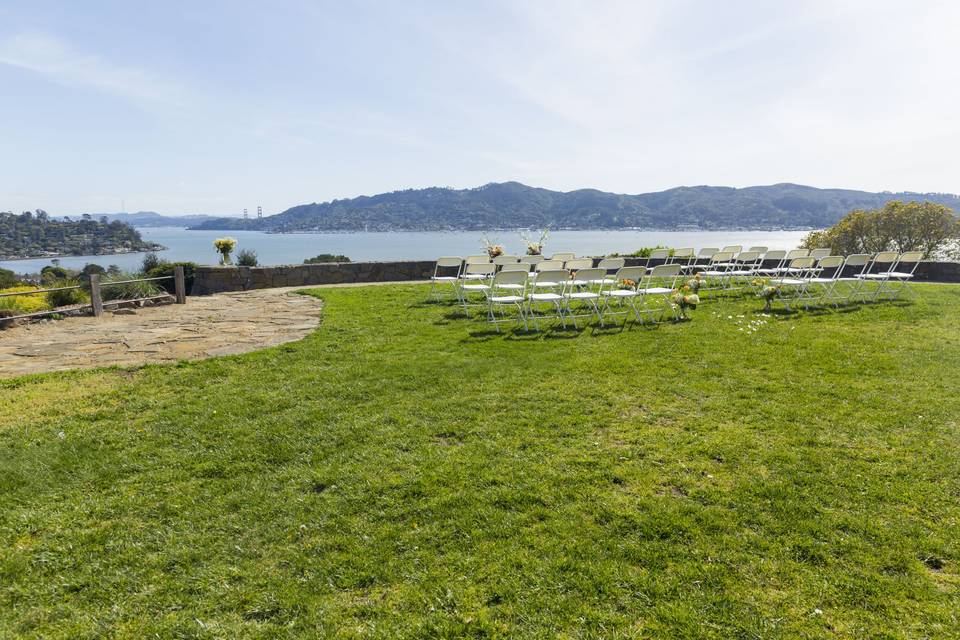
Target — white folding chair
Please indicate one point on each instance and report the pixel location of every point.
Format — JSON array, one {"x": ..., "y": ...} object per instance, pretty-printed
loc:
[
  {"x": 578, "y": 263},
  {"x": 819, "y": 253},
  {"x": 792, "y": 286},
  {"x": 716, "y": 271},
  {"x": 792, "y": 255},
  {"x": 505, "y": 259},
  {"x": 658, "y": 255},
  {"x": 622, "y": 291},
  {"x": 745, "y": 267},
  {"x": 609, "y": 266},
  {"x": 547, "y": 291},
  {"x": 476, "y": 279},
  {"x": 516, "y": 266},
  {"x": 446, "y": 272},
  {"x": 683, "y": 256},
  {"x": 702, "y": 261},
  {"x": 563, "y": 256},
  {"x": 821, "y": 287},
  {"x": 779, "y": 256},
  {"x": 853, "y": 267},
  {"x": 532, "y": 259},
  {"x": 484, "y": 259},
  {"x": 582, "y": 290},
  {"x": 762, "y": 250},
  {"x": 898, "y": 280},
  {"x": 507, "y": 292},
  {"x": 735, "y": 249},
  {"x": 658, "y": 285},
  {"x": 879, "y": 271}
]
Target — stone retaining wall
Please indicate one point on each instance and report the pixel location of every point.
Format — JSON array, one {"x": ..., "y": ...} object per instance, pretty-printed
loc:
[{"x": 209, "y": 280}]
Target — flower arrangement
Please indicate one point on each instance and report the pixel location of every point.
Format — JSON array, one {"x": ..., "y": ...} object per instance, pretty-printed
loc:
[
  {"x": 493, "y": 250},
  {"x": 628, "y": 284},
  {"x": 225, "y": 247},
  {"x": 684, "y": 301},
  {"x": 535, "y": 247},
  {"x": 693, "y": 284},
  {"x": 768, "y": 293}
]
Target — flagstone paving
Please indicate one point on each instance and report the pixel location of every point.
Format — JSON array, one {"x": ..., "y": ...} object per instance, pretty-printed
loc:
[{"x": 206, "y": 326}]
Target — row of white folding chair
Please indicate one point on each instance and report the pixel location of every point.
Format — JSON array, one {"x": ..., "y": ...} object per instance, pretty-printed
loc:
[
  {"x": 570, "y": 296},
  {"x": 809, "y": 280}
]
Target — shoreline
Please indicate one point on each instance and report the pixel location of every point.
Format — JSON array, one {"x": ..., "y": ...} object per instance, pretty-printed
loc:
[{"x": 83, "y": 255}]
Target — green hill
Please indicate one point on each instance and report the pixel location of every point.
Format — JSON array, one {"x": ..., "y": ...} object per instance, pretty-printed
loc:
[{"x": 514, "y": 205}]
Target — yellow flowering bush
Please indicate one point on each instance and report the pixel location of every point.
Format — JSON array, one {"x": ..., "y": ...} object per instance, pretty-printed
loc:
[{"x": 24, "y": 304}]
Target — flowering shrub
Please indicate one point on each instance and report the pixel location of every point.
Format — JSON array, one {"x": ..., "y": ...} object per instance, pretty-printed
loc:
[{"x": 24, "y": 304}]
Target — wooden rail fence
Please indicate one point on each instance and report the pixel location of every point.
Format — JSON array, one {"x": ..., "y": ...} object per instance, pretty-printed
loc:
[{"x": 96, "y": 294}]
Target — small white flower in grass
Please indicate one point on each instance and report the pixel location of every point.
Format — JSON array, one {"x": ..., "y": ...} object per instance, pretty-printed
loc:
[
  {"x": 61, "y": 435},
  {"x": 817, "y": 612}
]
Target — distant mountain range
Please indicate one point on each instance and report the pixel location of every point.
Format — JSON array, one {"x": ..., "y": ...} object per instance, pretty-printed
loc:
[
  {"x": 149, "y": 219},
  {"x": 515, "y": 205}
]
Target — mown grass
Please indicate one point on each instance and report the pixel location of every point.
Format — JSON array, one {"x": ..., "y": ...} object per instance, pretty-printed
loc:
[{"x": 403, "y": 473}]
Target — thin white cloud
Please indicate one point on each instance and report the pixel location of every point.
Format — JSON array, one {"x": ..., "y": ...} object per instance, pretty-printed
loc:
[{"x": 55, "y": 59}]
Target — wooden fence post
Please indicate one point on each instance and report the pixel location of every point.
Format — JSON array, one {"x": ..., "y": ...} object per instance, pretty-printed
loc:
[
  {"x": 179, "y": 284},
  {"x": 95, "y": 300}
]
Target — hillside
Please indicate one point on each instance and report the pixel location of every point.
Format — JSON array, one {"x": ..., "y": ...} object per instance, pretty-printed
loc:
[
  {"x": 514, "y": 205},
  {"x": 149, "y": 219},
  {"x": 36, "y": 235}
]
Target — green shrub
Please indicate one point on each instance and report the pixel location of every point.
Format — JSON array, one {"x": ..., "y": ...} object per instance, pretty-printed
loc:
[
  {"x": 8, "y": 279},
  {"x": 24, "y": 304},
  {"x": 67, "y": 297},
  {"x": 128, "y": 290},
  {"x": 247, "y": 258},
  {"x": 150, "y": 262},
  {"x": 326, "y": 257},
  {"x": 897, "y": 226},
  {"x": 166, "y": 269},
  {"x": 643, "y": 252},
  {"x": 53, "y": 273}
]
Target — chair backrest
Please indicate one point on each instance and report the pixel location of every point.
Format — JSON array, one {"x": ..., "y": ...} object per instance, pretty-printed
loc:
[
  {"x": 707, "y": 252},
  {"x": 553, "y": 277},
  {"x": 776, "y": 254},
  {"x": 449, "y": 266},
  {"x": 733, "y": 248},
  {"x": 760, "y": 249},
  {"x": 830, "y": 266},
  {"x": 660, "y": 254},
  {"x": 585, "y": 276},
  {"x": 608, "y": 264},
  {"x": 855, "y": 263},
  {"x": 480, "y": 269},
  {"x": 819, "y": 253},
  {"x": 665, "y": 272},
  {"x": 631, "y": 273},
  {"x": 883, "y": 261},
  {"x": 749, "y": 257},
  {"x": 532, "y": 259},
  {"x": 798, "y": 253},
  {"x": 504, "y": 259},
  {"x": 548, "y": 264},
  {"x": 578, "y": 263},
  {"x": 909, "y": 259},
  {"x": 721, "y": 256},
  {"x": 682, "y": 255},
  {"x": 802, "y": 264},
  {"x": 509, "y": 278},
  {"x": 449, "y": 262},
  {"x": 565, "y": 255},
  {"x": 515, "y": 266},
  {"x": 477, "y": 259}
]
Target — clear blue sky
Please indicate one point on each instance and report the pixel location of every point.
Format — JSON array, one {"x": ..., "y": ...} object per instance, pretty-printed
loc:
[{"x": 212, "y": 106}]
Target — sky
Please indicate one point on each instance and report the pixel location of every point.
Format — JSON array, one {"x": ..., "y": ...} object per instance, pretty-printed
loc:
[{"x": 214, "y": 106}]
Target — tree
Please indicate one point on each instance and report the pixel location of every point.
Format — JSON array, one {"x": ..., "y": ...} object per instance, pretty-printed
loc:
[{"x": 897, "y": 226}]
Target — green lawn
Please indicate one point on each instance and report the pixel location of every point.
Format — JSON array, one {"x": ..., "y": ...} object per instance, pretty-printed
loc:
[{"x": 402, "y": 473}]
